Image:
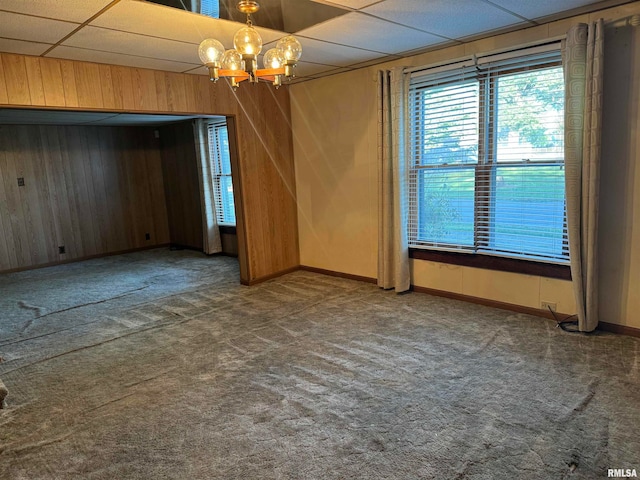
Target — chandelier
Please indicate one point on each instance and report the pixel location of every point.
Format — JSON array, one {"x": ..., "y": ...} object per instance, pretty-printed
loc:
[{"x": 240, "y": 63}]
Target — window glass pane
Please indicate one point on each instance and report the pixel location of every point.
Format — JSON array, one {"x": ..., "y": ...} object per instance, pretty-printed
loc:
[
  {"x": 445, "y": 126},
  {"x": 529, "y": 210},
  {"x": 226, "y": 200},
  {"x": 530, "y": 116},
  {"x": 221, "y": 169},
  {"x": 223, "y": 146},
  {"x": 445, "y": 203},
  {"x": 210, "y": 8},
  {"x": 487, "y": 157}
]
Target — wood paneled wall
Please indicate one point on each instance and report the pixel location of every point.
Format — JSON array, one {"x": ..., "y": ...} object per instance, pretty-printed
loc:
[
  {"x": 181, "y": 185},
  {"x": 266, "y": 204},
  {"x": 93, "y": 190}
]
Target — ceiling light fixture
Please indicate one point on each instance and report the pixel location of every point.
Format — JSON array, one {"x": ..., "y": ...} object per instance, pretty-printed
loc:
[{"x": 240, "y": 63}]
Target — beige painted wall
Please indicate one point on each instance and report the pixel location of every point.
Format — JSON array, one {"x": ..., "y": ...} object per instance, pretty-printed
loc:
[{"x": 335, "y": 147}]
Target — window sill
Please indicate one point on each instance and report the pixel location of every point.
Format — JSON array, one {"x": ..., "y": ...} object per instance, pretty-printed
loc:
[{"x": 488, "y": 262}]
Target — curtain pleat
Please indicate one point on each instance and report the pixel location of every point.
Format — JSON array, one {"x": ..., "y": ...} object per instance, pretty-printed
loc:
[
  {"x": 212, "y": 242},
  {"x": 393, "y": 244},
  {"x": 583, "y": 52}
]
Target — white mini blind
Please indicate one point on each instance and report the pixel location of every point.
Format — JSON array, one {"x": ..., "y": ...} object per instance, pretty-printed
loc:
[
  {"x": 487, "y": 156},
  {"x": 221, "y": 168}
]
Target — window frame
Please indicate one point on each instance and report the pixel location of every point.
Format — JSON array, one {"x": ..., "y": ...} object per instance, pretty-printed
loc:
[
  {"x": 485, "y": 177},
  {"x": 215, "y": 158}
]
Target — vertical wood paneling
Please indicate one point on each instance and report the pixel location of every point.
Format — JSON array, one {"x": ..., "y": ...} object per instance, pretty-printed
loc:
[
  {"x": 34, "y": 77},
  {"x": 8, "y": 257},
  {"x": 52, "y": 150},
  {"x": 264, "y": 172},
  {"x": 14, "y": 212},
  {"x": 88, "y": 84},
  {"x": 50, "y": 164},
  {"x": 123, "y": 87},
  {"x": 15, "y": 74},
  {"x": 190, "y": 94},
  {"x": 69, "y": 82},
  {"x": 4, "y": 98},
  {"x": 75, "y": 181},
  {"x": 53, "y": 86},
  {"x": 203, "y": 98},
  {"x": 145, "y": 89},
  {"x": 182, "y": 189},
  {"x": 161, "y": 91},
  {"x": 176, "y": 92},
  {"x": 35, "y": 209},
  {"x": 106, "y": 85}
]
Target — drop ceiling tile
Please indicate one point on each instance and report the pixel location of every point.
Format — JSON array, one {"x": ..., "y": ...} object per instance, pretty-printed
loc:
[
  {"x": 201, "y": 70},
  {"x": 34, "y": 29},
  {"x": 22, "y": 47},
  {"x": 306, "y": 69},
  {"x": 103, "y": 39},
  {"x": 72, "y": 10},
  {"x": 377, "y": 61},
  {"x": 85, "y": 55},
  {"x": 449, "y": 18},
  {"x": 354, "y": 4},
  {"x": 541, "y": 8},
  {"x": 325, "y": 53},
  {"x": 332, "y": 72},
  {"x": 357, "y": 30},
  {"x": 174, "y": 24}
]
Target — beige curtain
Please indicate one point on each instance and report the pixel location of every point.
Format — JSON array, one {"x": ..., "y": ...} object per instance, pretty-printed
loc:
[
  {"x": 211, "y": 232},
  {"x": 582, "y": 54},
  {"x": 393, "y": 248}
]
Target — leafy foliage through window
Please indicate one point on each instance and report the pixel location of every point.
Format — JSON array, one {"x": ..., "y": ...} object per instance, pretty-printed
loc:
[{"x": 487, "y": 164}]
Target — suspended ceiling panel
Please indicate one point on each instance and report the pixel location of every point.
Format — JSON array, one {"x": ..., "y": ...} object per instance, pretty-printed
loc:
[
  {"x": 352, "y": 4},
  {"x": 22, "y": 47},
  {"x": 25, "y": 27},
  {"x": 435, "y": 16},
  {"x": 85, "y": 55},
  {"x": 369, "y": 33},
  {"x": 114, "y": 41},
  {"x": 78, "y": 11},
  {"x": 541, "y": 8},
  {"x": 336, "y": 35}
]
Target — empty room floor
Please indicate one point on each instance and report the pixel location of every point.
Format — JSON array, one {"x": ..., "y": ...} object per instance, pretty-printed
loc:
[{"x": 159, "y": 364}]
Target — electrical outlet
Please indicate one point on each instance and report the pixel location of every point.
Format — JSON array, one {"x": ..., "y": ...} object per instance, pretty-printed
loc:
[
  {"x": 61, "y": 249},
  {"x": 548, "y": 305},
  {"x": 21, "y": 181},
  {"x": 147, "y": 236}
]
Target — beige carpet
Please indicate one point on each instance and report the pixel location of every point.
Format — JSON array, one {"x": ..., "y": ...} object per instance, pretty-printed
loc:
[{"x": 160, "y": 365}]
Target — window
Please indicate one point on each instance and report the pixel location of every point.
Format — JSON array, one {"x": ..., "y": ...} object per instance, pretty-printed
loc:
[
  {"x": 487, "y": 158},
  {"x": 221, "y": 168},
  {"x": 211, "y": 8}
]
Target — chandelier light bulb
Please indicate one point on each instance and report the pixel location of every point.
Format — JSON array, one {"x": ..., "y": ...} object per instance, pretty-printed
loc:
[
  {"x": 291, "y": 48},
  {"x": 240, "y": 63},
  {"x": 247, "y": 41},
  {"x": 273, "y": 58},
  {"x": 210, "y": 52},
  {"x": 232, "y": 60}
]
